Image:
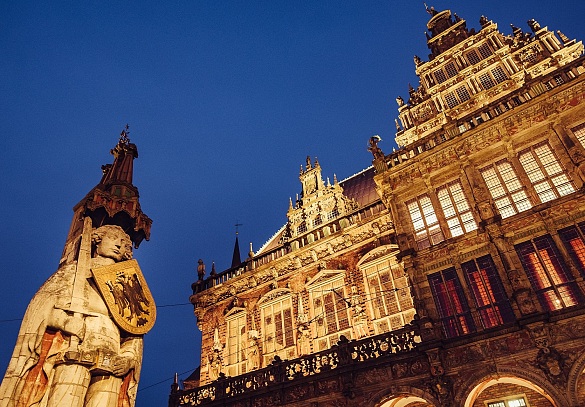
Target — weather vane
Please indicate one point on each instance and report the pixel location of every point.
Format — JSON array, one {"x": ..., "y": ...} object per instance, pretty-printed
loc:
[{"x": 237, "y": 225}]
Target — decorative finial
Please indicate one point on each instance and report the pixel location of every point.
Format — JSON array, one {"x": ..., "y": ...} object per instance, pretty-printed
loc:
[
  {"x": 316, "y": 162},
  {"x": 533, "y": 24},
  {"x": 290, "y": 205},
  {"x": 309, "y": 163},
  {"x": 237, "y": 224},
  {"x": 213, "y": 272},
  {"x": 124, "y": 139},
  {"x": 483, "y": 21},
  {"x": 335, "y": 179},
  {"x": 398, "y": 128},
  {"x": 251, "y": 252},
  {"x": 328, "y": 183},
  {"x": 564, "y": 38}
]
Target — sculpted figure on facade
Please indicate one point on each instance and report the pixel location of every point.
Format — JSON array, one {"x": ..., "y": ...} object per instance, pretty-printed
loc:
[
  {"x": 360, "y": 319},
  {"x": 70, "y": 355},
  {"x": 253, "y": 351}
]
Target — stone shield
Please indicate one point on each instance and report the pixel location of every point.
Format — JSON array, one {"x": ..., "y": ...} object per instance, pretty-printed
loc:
[{"x": 127, "y": 296}]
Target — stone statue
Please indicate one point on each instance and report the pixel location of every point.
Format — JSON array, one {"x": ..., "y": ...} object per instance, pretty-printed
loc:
[
  {"x": 400, "y": 101},
  {"x": 360, "y": 319},
  {"x": 70, "y": 351},
  {"x": 215, "y": 359},
  {"x": 373, "y": 147},
  {"x": 253, "y": 352},
  {"x": 200, "y": 269}
]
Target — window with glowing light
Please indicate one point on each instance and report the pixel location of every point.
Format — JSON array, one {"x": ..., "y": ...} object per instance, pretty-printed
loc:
[
  {"x": 505, "y": 188},
  {"x": 451, "y": 304},
  {"x": 427, "y": 231},
  {"x": 573, "y": 238},
  {"x": 545, "y": 172},
  {"x": 550, "y": 278},
  {"x": 277, "y": 328},
  {"x": 236, "y": 344},
  {"x": 456, "y": 209},
  {"x": 388, "y": 294},
  {"x": 330, "y": 311},
  {"x": 488, "y": 292}
]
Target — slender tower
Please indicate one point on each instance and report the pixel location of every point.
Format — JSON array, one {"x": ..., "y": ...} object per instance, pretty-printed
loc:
[{"x": 80, "y": 342}]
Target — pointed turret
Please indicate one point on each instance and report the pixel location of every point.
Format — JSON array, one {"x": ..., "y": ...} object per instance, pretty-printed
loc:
[
  {"x": 236, "y": 259},
  {"x": 113, "y": 201}
]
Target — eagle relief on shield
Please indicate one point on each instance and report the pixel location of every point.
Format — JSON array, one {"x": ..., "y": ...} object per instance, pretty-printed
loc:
[{"x": 127, "y": 296}]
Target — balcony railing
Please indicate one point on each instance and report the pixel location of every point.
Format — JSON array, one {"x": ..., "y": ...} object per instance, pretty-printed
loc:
[{"x": 346, "y": 354}]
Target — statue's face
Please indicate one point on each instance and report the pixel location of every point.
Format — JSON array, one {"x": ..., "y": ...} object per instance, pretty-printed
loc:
[{"x": 113, "y": 246}]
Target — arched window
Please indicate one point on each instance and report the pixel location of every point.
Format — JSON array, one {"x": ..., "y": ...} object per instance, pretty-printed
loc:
[
  {"x": 235, "y": 348},
  {"x": 277, "y": 325},
  {"x": 388, "y": 293}
]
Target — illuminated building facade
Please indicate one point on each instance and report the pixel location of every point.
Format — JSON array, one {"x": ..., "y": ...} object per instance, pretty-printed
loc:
[{"x": 451, "y": 273}]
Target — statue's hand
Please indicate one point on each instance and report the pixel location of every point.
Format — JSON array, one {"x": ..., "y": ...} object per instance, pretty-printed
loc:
[{"x": 122, "y": 365}]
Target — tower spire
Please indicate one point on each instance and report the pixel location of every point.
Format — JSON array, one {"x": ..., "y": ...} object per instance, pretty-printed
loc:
[{"x": 236, "y": 259}]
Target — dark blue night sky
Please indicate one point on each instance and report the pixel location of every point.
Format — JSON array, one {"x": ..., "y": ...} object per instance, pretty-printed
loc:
[{"x": 225, "y": 99}]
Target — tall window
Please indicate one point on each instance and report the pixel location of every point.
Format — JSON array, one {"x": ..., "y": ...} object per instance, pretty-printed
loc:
[
  {"x": 505, "y": 188},
  {"x": 278, "y": 328},
  {"x": 485, "y": 50},
  {"x": 579, "y": 132},
  {"x": 486, "y": 81},
  {"x": 574, "y": 240},
  {"x": 236, "y": 344},
  {"x": 499, "y": 74},
  {"x": 389, "y": 295},
  {"x": 456, "y": 209},
  {"x": 473, "y": 57},
  {"x": 427, "y": 231},
  {"x": 548, "y": 275},
  {"x": 545, "y": 172},
  {"x": 330, "y": 311},
  {"x": 451, "y": 69},
  {"x": 488, "y": 292},
  {"x": 451, "y": 303},
  {"x": 440, "y": 76}
]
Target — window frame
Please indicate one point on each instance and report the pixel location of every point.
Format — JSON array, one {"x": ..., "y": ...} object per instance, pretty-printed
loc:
[
  {"x": 329, "y": 285},
  {"x": 453, "y": 209},
  {"x": 487, "y": 291},
  {"x": 387, "y": 300},
  {"x": 549, "y": 276},
  {"x": 549, "y": 179},
  {"x": 269, "y": 345},
  {"x": 429, "y": 232},
  {"x": 451, "y": 303},
  {"x": 511, "y": 201},
  {"x": 235, "y": 361}
]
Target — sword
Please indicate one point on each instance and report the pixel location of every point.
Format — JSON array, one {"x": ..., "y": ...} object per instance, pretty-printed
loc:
[{"x": 78, "y": 303}]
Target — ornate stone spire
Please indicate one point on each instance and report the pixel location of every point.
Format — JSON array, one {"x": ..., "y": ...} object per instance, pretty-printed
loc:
[{"x": 113, "y": 201}]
